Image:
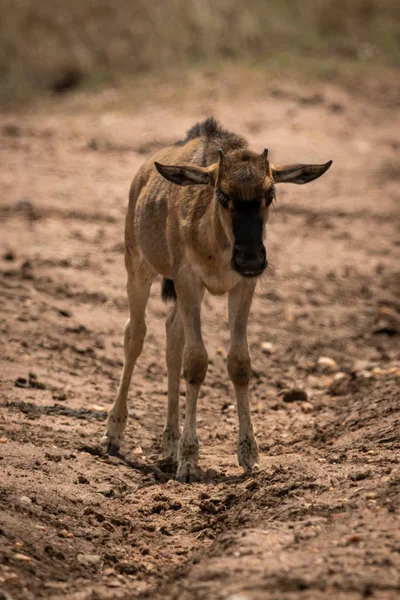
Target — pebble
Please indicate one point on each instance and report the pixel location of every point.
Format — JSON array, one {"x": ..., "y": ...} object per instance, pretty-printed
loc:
[
  {"x": 295, "y": 395},
  {"x": 359, "y": 475},
  {"x": 65, "y": 534},
  {"x": 21, "y": 382},
  {"x": 267, "y": 347},
  {"x": 352, "y": 539},
  {"x": 99, "y": 408},
  {"x": 82, "y": 479},
  {"x": 25, "y": 500},
  {"x": 23, "y": 557},
  {"x": 340, "y": 384},
  {"x": 89, "y": 559},
  {"x": 327, "y": 364}
]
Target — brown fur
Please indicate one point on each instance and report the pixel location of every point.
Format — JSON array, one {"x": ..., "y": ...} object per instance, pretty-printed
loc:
[{"x": 184, "y": 233}]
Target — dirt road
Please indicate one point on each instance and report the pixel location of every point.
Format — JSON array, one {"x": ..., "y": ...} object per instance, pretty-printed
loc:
[{"x": 321, "y": 519}]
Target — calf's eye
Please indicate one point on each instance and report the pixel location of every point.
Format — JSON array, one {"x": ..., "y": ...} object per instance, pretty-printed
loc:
[
  {"x": 269, "y": 196},
  {"x": 222, "y": 199}
]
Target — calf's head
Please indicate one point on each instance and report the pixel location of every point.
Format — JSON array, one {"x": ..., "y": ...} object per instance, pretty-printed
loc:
[{"x": 244, "y": 188}]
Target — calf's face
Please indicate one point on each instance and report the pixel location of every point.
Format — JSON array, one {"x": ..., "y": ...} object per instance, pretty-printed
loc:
[
  {"x": 244, "y": 191},
  {"x": 244, "y": 188}
]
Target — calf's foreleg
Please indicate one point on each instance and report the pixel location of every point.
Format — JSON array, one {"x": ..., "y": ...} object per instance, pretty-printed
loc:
[
  {"x": 239, "y": 369},
  {"x": 195, "y": 362}
]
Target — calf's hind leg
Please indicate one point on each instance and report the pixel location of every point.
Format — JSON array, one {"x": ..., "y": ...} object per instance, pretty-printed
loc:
[
  {"x": 175, "y": 341},
  {"x": 138, "y": 288}
]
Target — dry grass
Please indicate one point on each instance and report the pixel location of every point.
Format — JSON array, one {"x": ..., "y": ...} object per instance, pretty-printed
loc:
[{"x": 55, "y": 46}]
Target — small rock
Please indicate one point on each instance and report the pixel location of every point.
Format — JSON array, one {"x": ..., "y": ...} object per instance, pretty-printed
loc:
[
  {"x": 25, "y": 500},
  {"x": 267, "y": 347},
  {"x": 82, "y": 348},
  {"x": 22, "y": 557},
  {"x": 365, "y": 374},
  {"x": 327, "y": 364},
  {"x": 307, "y": 407},
  {"x": 295, "y": 395},
  {"x": 82, "y": 479},
  {"x": 138, "y": 451},
  {"x": 382, "y": 372},
  {"x": 99, "y": 408},
  {"x": 89, "y": 559},
  {"x": 65, "y": 534},
  {"x": 340, "y": 384},
  {"x": 113, "y": 583},
  {"x": 21, "y": 382},
  {"x": 359, "y": 475},
  {"x": 352, "y": 539}
]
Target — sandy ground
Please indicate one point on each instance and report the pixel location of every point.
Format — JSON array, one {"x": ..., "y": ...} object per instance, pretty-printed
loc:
[{"x": 321, "y": 520}]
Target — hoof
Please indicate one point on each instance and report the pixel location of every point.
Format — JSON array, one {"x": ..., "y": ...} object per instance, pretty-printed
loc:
[
  {"x": 110, "y": 444},
  {"x": 248, "y": 456},
  {"x": 112, "y": 449},
  {"x": 188, "y": 474},
  {"x": 254, "y": 470}
]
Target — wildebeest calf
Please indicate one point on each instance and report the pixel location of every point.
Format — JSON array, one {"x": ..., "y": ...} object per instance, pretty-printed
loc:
[{"x": 197, "y": 216}]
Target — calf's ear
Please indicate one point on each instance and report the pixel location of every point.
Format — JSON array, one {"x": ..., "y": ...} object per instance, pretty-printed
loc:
[
  {"x": 298, "y": 173},
  {"x": 188, "y": 174}
]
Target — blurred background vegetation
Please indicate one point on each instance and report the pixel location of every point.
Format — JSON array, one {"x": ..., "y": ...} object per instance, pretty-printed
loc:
[{"x": 50, "y": 46}]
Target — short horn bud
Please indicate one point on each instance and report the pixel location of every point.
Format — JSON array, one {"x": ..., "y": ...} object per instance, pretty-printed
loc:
[{"x": 265, "y": 153}]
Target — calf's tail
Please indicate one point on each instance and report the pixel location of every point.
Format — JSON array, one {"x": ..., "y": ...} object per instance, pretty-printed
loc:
[{"x": 168, "y": 290}]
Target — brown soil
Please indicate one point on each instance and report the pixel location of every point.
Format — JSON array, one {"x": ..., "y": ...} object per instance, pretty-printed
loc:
[{"x": 321, "y": 520}]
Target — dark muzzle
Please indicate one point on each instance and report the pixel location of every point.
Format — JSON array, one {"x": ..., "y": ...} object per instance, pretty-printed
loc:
[{"x": 249, "y": 261}]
